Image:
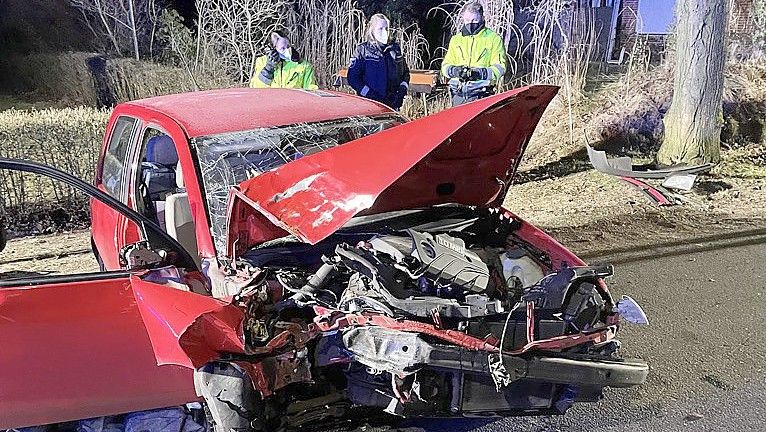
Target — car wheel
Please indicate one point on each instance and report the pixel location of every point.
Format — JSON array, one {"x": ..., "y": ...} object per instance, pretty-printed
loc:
[{"x": 231, "y": 402}]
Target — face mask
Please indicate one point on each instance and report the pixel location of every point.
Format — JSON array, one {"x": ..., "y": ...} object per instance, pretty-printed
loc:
[
  {"x": 381, "y": 36},
  {"x": 473, "y": 28},
  {"x": 287, "y": 54}
]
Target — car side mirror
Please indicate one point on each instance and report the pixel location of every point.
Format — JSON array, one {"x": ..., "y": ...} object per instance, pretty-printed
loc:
[{"x": 140, "y": 255}]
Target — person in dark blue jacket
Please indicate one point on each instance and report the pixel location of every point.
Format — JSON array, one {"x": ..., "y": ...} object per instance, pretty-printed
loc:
[{"x": 378, "y": 70}]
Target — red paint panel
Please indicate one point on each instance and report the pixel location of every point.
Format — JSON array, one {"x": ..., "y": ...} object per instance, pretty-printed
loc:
[
  {"x": 231, "y": 110},
  {"x": 77, "y": 350},
  {"x": 185, "y": 328},
  {"x": 461, "y": 155}
]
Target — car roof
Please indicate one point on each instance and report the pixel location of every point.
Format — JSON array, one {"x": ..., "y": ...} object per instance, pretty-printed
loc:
[{"x": 229, "y": 110}]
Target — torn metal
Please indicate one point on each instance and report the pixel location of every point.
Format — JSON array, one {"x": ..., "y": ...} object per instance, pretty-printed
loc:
[
  {"x": 651, "y": 192},
  {"x": 426, "y": 319},
  {"x": 416, "y": 164},
  {"x": 226, "y": 160}
]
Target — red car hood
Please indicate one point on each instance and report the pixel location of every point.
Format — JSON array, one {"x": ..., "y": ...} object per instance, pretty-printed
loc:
[{"x": 465, "y": 155}]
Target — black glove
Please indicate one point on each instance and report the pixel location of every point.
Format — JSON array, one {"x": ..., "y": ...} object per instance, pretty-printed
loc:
[
  {"x": 478, "y": 74},
  {"x": 465, "y": 74},
  {"x": 272, "y": 57},
  {"x": 454, "y": 71}
]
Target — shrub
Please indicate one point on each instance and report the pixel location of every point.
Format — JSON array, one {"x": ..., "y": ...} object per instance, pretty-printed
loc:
[
  {"x": 62, "y": 76},
  {"x": 77, "y": 78},
  {"x": 68, "y": 139}
]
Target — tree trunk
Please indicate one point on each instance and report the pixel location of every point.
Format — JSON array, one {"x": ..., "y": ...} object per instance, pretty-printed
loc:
[
  {"x": 693, "y": 123},
  {"x": 133, "y": 29}
]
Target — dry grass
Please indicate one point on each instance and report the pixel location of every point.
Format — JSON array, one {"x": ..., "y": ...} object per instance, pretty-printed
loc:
[
  {"x": 68, "y": 139},
  {"x": 133, "y": 79},
  {"x": 233, "y": 33},
  {"x": 628, "y": 114},
  {"x": 326, "y": 32},
  {"x": 62, "y": 76},
  {"x": 67, "y": 79}
]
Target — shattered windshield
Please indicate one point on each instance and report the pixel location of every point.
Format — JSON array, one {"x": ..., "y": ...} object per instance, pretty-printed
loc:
[{"x": 228, "y": 159}]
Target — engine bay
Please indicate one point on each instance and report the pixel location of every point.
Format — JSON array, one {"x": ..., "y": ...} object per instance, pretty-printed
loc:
[{"x": 458, "y": 317}]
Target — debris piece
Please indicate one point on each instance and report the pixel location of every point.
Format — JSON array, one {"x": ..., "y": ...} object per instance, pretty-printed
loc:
[
  {"x": 683, "y": 182},
  {"x": 631, "y": 312},
  {"x": 653, "y": 193},
  {"x": 500, "y": 374},
  {"x": 623, "y": 167}
]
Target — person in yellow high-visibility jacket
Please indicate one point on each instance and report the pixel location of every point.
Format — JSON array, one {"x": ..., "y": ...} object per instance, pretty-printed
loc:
[
  {"x": 282, "y": 67},
  {"x": 475, "y": 59}
]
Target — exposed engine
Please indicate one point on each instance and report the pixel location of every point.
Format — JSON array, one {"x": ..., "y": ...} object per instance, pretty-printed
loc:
[{"x": 420, "y": 322}]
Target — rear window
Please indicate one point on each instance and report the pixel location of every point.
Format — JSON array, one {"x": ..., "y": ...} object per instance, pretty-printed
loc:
[
  {"x": 112, "y": 173},
  {"x": 227, "y": 160}
]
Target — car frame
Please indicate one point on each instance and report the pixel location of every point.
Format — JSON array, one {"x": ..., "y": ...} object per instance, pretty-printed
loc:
[
  {"x": 183, "y": 344},
  {"x": 181, "y": 118}
]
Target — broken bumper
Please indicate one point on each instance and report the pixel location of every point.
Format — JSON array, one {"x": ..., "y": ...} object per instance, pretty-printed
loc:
[{"x": 596, "y": 373}]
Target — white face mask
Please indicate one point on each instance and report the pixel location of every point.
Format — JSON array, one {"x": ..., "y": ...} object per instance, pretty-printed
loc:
[
  {"x": 381, "y": 35},
  {"x": 287, "y": 54}
]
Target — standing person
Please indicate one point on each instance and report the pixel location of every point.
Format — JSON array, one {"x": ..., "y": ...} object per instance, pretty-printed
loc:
[
  {"x": 283, "y": 67},
  {"x": 475, "y": 59},
  {"x": 378, "y": 70}
]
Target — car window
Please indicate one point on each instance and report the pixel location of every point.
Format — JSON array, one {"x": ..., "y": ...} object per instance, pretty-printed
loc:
[
  {"x": 228, "y": 159},
  {"x": 112, "y": 174}
]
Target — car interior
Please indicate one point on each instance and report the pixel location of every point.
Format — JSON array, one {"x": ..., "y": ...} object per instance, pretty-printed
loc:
[{"x": 163, "y": 192}]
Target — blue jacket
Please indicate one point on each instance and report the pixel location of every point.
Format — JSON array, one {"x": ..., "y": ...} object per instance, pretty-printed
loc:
[{"x": 380, "y": 74}]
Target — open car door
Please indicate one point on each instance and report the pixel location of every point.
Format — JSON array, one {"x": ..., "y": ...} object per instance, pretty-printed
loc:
[
  {"x": 85, "y": 345},
  {"x": 77, "y": 347}
]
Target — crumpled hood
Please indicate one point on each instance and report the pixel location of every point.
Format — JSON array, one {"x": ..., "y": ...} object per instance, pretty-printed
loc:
[{"x": 466, "y": 155}]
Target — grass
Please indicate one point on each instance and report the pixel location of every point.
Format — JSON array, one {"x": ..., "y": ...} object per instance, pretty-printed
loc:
[
  {"x": 233, "y": 33},
  {"x": 746, "y": 162}
]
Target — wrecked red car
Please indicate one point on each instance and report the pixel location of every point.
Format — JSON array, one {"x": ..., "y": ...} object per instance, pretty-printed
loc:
[{"x": 299, "y": 258}]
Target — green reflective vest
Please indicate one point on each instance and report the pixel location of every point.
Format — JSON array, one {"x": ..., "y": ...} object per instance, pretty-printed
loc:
[
  {"x": 483, "y": 50},
  {"x": 288, "y": 74}
]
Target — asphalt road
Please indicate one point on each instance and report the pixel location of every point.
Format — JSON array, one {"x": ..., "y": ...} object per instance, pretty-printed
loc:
[{"x": 706, "y": 347}]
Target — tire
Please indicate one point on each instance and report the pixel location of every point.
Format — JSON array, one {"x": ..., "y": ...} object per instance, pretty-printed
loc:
[{"x": 231, "y": 402}]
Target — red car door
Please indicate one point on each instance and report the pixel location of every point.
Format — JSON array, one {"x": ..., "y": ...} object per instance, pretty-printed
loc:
[
  {"x": 107, "y": 225},
  {"x": 74, "y": 347}
]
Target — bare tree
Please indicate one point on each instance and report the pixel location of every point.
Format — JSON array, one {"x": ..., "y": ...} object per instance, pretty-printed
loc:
[
  {"x": 234, "y": 32},
  {"x": 327, "y": 33},
  {"x": 127, "y": 25},
  {"x": 693, "y": 123}
]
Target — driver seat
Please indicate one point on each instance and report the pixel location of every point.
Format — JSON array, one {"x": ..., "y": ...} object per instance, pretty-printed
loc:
[{"x": 179, "y": 223}]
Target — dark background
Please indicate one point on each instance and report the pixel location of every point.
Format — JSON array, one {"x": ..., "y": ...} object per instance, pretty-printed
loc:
[{"x": 53, "y": 25}]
